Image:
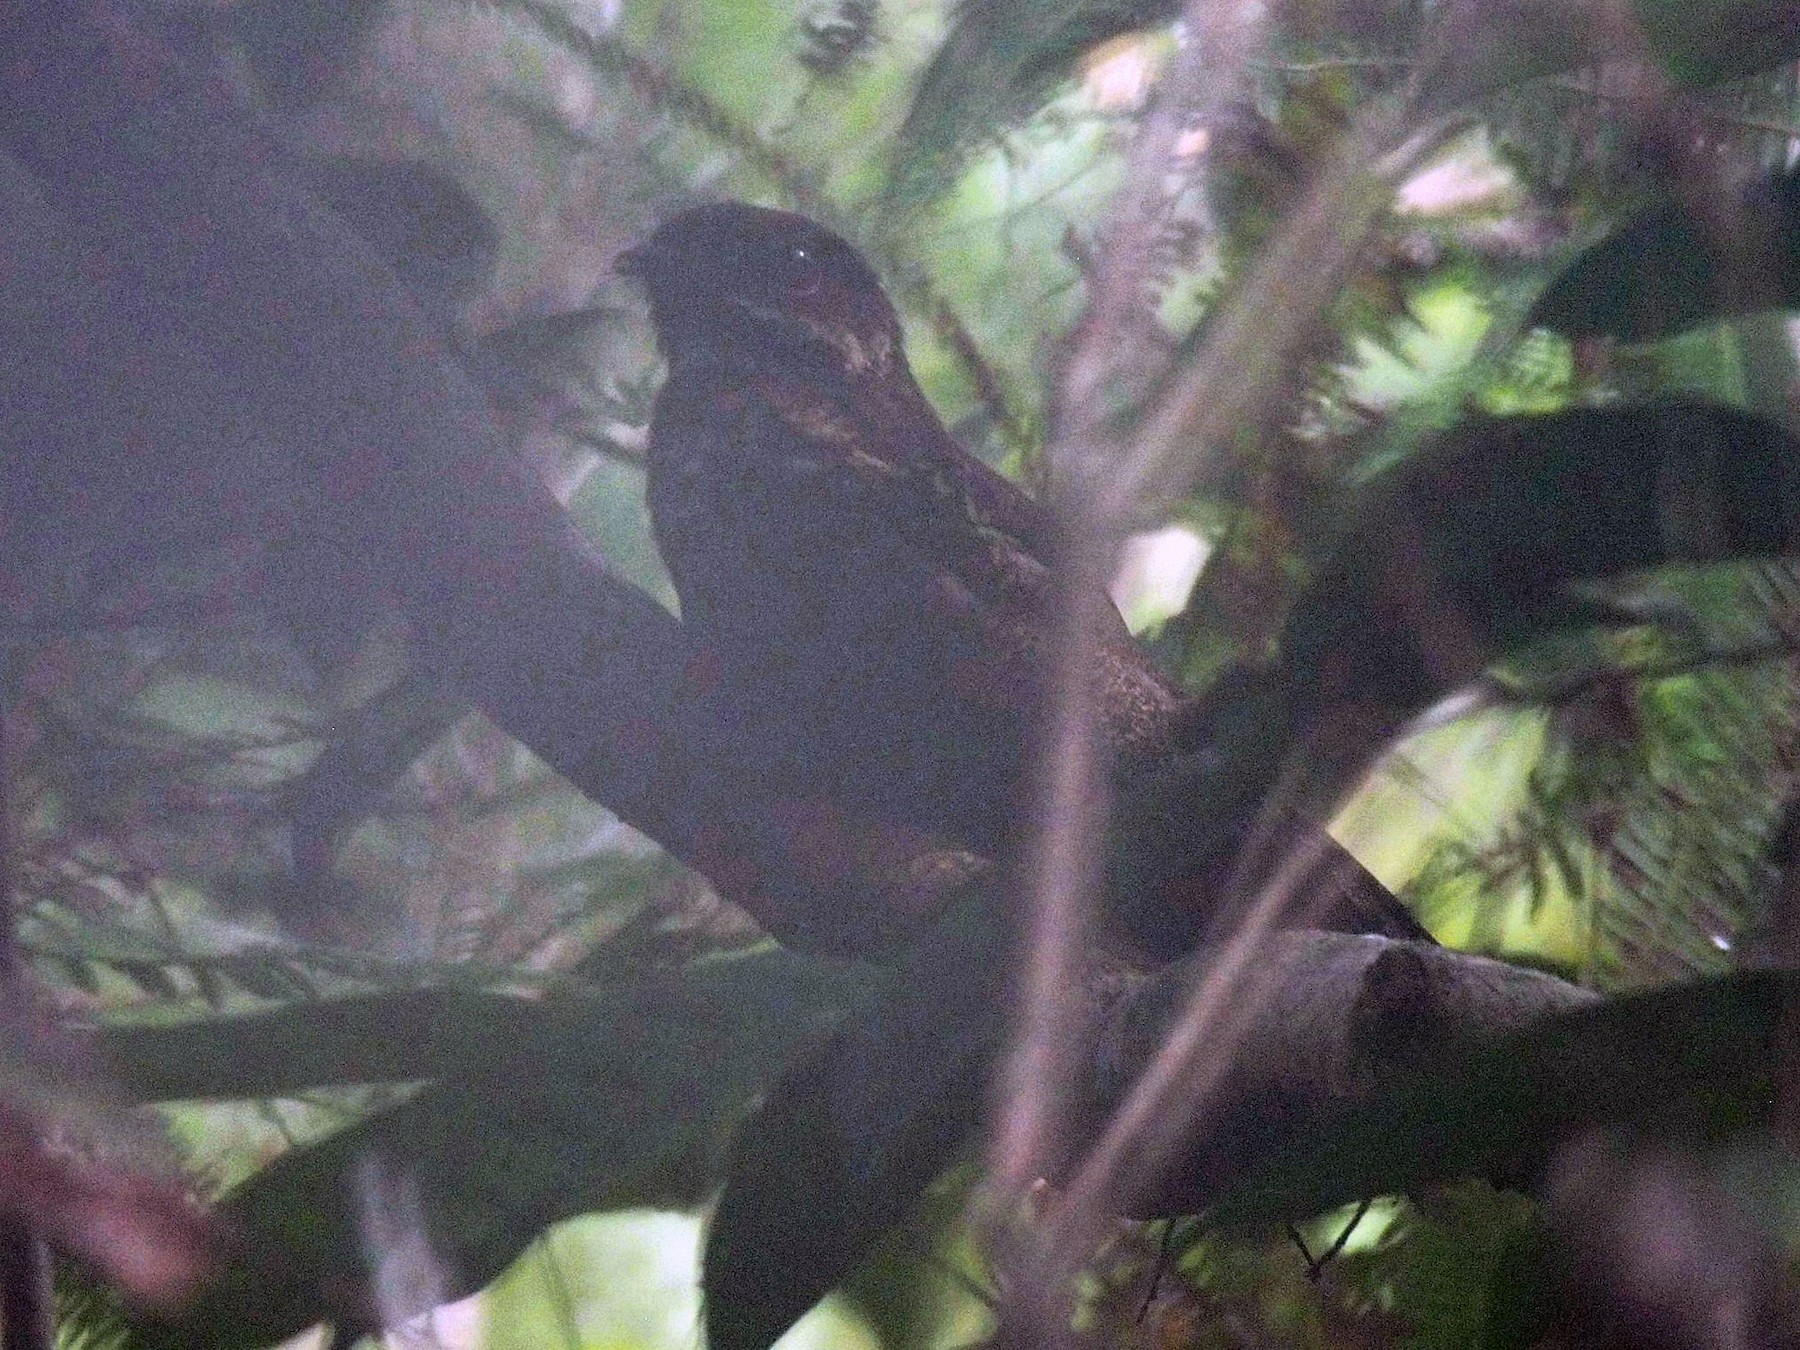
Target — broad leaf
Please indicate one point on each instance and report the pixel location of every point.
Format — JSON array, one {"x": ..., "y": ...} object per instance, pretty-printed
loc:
[
  {"x": 843, "y": 1148},
  {"x": 999, "y": 62},
  {"x": 1710, "y": 41},
  {"x": 543, "y": 1112},
  {"x": 1663, "y": 271}
]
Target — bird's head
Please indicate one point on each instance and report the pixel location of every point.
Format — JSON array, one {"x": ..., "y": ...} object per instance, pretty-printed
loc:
[{"x": 737, "y": 282}]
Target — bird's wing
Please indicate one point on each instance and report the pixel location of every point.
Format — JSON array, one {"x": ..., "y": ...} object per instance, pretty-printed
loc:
[
  {"x": 987, "y": 544},
  {"x": 853, "y": 526},
  {"x": 825, "y": 575},
  {"x": 782, "y": 513},
  {"x": 896, "y": 472}
]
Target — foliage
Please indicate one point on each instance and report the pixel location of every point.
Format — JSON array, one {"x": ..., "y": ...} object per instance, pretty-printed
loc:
[{"x": 278, "y": 863}]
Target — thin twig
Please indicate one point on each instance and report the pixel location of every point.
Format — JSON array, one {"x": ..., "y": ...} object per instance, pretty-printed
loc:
[
  {"x": 1315, "y": 1265},
  {"x": 1253, "y": 341},
  {"x": 1335, "y": 63},
  {"x": 1065, "y": 858},
  {"x": 1148, "y": 1127},
  {"x": 561, "y": 1295},
  {"x": 1342, "y": 1240},
  {"x": 1164, "y": 1246},
  {"x": 1568, "y": 689},
  {"x": 1261, "y": 328},
  {"x": 1062, "y": 866},
  {"x": 1589, "y": 88}
]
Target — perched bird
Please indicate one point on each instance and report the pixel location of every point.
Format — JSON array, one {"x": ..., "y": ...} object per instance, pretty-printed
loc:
[
  {"x": 875, "y": 603},
  {"x": 859, "y": 575}
]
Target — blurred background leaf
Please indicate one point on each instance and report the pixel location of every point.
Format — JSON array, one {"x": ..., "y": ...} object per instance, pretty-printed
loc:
[{"x": 285, "y": 872}]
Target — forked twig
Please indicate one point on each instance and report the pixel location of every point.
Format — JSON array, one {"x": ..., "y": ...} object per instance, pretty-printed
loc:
[{"x": 1252, "y": 343}]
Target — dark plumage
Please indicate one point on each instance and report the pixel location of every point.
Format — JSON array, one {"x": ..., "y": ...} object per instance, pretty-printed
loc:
[
  {"x": 859, "y": 574},
  {"x": 873, "y": 604}
]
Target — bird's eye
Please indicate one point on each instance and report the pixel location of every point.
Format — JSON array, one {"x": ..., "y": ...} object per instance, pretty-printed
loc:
[{"x": 799, "y": 253}]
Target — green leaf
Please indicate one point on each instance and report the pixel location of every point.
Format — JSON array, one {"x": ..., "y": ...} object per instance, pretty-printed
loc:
[
  {"x": 542, "y": 1112},
  {"x": 844, "y": 1146},
  {"x": 999, "y": 62},
  {"x": 1003, "y": 58},
  {"x": 388, "y": 1037},
  {"x": 1661, "y": 272},
  {"x": 1512, "y": 515},
  {"x": 1710, "y": 41},
  {"x": 151, "y": 977}
]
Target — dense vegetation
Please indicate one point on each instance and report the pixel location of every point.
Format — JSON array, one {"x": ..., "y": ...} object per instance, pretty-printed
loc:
[{"x": 350, "y": 819}]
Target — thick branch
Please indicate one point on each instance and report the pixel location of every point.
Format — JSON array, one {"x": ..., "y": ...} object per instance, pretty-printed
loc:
[
  {"x": 1342, "y": 1016},
  {"x": 210, "y": 360},
  {"x": 207, "y": 359}
]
